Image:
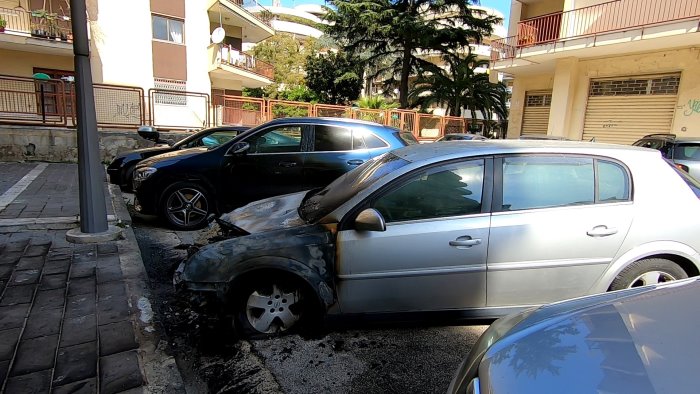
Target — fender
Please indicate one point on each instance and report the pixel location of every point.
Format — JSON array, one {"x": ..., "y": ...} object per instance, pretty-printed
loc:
[{"x": 641, "y": 252}]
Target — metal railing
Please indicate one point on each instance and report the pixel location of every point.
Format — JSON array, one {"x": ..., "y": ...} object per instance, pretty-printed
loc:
[
  {"x": 235, "y": 58},
  {"x": 38, "y": 24},
  {"x": 265, "y": 16},
  {"x": 602, "y": 18}
]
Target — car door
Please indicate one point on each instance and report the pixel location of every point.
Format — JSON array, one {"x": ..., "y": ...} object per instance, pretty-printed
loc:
[
  {"x": 272, "y": 165},
  {"x": 335, "y": 151},
  {"x": 432, "y": 255},
  {"x": 557, "y": 223}
]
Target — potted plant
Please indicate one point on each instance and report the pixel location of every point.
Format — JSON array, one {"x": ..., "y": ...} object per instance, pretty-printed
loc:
[{"x": 3, "y": 23}]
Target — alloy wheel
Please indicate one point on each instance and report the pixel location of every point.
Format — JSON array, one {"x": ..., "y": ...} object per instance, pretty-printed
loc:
[
  {"x": 651, "y": 278},
  {"x": 275, "y": 311},
  {"x": 187, "y": 207}
]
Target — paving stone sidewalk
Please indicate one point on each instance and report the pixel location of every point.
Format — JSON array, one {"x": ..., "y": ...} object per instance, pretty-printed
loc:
[{"x": 71, "y": 316}]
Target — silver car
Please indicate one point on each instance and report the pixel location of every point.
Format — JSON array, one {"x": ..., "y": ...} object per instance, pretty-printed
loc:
[
  {"x": 479, "y": 229},
  {"x": 640, "y": 340},
  {"x": 684, "y": 152}
]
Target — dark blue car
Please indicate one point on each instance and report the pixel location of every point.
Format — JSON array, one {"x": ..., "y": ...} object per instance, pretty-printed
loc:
[{"x": 279, "y": 157}]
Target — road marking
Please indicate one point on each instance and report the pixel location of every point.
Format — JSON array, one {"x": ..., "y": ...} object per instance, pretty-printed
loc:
[{"x": 17, "y": 189}]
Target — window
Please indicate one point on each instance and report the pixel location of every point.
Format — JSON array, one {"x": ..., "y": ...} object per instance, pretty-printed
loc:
[
  {"x": 212, "y": 140},
  {"x": 689, "y": 152},
  {"x": 541, "y": 182},
  {"x": 279, "y": 140},
  {"x": 613, "y": 183},
  {"x": 167, "y": 29},
  {"x": 331, "y": 138},
  {"x": 450, "y": 190},
  {"x": 173, "y": 98}
]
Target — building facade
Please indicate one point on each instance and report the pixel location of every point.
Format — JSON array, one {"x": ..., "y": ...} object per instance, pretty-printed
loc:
[
  {"x": 152, "y": 46},
  {"x": 609, "y": 71}
]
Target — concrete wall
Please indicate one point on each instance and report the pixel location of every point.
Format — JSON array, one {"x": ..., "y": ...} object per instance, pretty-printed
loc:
[
  {"x": 60, "y": 144},
  {"x": 21, "y": 64},
  {"x": 570, "y": 88}
]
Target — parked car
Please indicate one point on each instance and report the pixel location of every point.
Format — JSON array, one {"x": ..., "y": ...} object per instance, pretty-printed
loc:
[
  {"x": 542, "y": 137},
  {"x": 684, "y": 152},
  {"x": 121, "y": 169},
  {"x": 461, "y": 137},
  {"x": 281, "y": 156},
  {"x": 641, "y": 340},
  {"x": 479, "y": 230}
]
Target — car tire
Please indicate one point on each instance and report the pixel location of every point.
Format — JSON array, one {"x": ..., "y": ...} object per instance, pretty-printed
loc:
[
  {"x": 272, "y": 305},
  {"x": 647, "y": 272},
  {"x": 129, "y": 179},
  {"x": 186, "y": 205}
]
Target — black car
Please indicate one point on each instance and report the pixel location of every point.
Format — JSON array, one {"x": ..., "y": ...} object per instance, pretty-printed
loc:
[
  {"x": 122, "y": 167},
  {"x": 279, "y": 157}
]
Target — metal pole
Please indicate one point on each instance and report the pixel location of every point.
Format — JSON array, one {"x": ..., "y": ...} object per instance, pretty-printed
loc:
[
  {"x": 43, "y": 106},
  {"x": 93, "y": 211}
]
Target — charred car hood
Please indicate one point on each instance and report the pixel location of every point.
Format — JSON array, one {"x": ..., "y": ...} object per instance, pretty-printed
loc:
[
  {"x": 646, "y": 342},
  {"x": 175, "y": 155},
  {"x": 268, "y": 214}
]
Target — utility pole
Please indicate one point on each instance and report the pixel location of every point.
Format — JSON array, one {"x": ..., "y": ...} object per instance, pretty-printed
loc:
[{"x": 93, "y": 211}]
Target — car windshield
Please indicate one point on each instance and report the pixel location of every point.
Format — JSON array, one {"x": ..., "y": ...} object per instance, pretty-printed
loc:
[
  {"x": 318, "y": 205},
  {"x": 406, "y": 137},
  {"x": 692, "y": 183}
]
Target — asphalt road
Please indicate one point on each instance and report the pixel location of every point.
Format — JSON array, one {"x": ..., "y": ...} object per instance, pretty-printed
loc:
[{"x": 386, "y": 358}]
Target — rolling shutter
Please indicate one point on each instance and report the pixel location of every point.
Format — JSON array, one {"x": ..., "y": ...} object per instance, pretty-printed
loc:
[
  {"x": 536, "y": 112},
  {"x": 621, "y": 111}
]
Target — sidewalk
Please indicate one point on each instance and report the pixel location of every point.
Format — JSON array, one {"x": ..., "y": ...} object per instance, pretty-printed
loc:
[{"x": 73, "y": 318}]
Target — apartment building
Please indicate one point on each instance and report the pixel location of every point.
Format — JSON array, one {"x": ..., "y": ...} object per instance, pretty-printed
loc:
[
  {"x": 612, "y": 71},
  {"x": 151, "y": 46}
]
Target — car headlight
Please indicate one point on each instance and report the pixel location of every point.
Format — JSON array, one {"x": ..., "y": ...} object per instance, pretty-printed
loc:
[{"x": 141, "y": 174}]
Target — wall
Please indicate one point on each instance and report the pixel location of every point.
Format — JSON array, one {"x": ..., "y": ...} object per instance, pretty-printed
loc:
[
  {"x": 540, "y": 8},
  {"x": 21, "y": 64}
]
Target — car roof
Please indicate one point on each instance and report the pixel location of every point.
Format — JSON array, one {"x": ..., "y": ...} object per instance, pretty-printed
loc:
[
  {"x": 456, "y": 149},
  {"x": 327, "y": 120},
  {"x": 670, "y": 137}
]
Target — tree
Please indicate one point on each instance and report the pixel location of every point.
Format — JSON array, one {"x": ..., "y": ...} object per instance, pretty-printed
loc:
[
  {"x": 457, "y": 85},
  {"x": 288, "y": 57},
  {"x": 395, "y": 32},
  {"x": 334, "y": 77}
]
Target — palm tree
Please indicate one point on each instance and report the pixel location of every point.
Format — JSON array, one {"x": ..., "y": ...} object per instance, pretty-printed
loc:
[{"x": 459, "y": 86}]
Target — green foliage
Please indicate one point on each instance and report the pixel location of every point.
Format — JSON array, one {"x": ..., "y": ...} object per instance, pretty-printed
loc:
[
  {"x": 300, "y": 20},
  {"x": 254, "y": 92},
  {"x": 287, "y": 56},
  {"x": 334, "y": 77},
  {"x": 375, "y": 102},
  {"x": 390, "y": 34}
]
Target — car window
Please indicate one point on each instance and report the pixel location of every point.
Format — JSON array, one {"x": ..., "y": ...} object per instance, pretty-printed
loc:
[
  {"x": 543, "y": 181},
  {"x": 407, "y": 138},
  {"x": 372, "y": 141},
  {"x": 278, "y": 140},
  {"x": 217, "y": 138},
  {"x": 613, "y": 182},
  {"x": 450, "y": 190},
  {"x": 332, "y": 138},
  {"x": 690, "y": 152},
  {"x": 658, "y": 144}
]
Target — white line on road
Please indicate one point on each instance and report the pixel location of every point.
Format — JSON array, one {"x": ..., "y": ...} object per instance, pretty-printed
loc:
[{"x": 17, "y": 189}]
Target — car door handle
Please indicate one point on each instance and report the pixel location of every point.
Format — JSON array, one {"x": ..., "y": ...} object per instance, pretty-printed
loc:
[
  {"x": 287, "y": 164},
  {"x": 355, "y": 162},
  {"x": 465, "y": 242},
  {"x": 601, "y": 231}
]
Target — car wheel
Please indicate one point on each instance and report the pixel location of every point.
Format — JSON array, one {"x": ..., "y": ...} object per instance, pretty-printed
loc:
[
  {"x": 648, "y": 272},
  {"x": 270, "y": 307},
  {"x": 185, "y": 206},
  {"x": 129, "y": 179}
]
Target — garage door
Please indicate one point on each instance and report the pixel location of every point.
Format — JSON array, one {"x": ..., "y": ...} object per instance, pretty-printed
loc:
[
  {"x": 536, "y": 112},
  {"x": 622, "y": 111}
]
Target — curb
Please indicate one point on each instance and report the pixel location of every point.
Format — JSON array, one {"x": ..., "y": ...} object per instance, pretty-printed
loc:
[{"x": 159, "y": 369}]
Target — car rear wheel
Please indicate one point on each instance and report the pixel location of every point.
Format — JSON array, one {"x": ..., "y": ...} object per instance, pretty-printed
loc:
[
  {"x": 271, "y": 306},
  {"x": 648, "y": 272},
  {"x": 186, "y": 205}
]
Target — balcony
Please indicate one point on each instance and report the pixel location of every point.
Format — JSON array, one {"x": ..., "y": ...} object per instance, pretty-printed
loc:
[
  {"x": 45, "y": 33},
  {"x": 229, "y": 64},
  {"x": 632, "y": 22},
  {"x": 234, "y": 13}
]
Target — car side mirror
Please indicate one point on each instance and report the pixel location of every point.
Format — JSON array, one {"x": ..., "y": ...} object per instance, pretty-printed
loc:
[
  {"x": 370, "y": 220},
  {"x": 150, "y": 133},
  {"x": 239, "y": 148}
]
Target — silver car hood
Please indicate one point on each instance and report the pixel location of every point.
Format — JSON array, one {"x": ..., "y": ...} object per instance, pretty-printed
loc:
[
  {"x": 644, "y": 343},
  {"x": 269, "y": 214}
]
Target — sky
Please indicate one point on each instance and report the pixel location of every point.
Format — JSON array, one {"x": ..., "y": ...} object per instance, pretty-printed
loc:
[{"x": 500, "y": 5}]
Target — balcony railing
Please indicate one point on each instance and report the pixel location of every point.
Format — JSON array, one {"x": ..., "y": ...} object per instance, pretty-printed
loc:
[
  {"x": 607, "y": 17},
  {"x": 37, "y": 24},
  {"x": 264, "y": 15},
  {"x": 233, "y": 57}
]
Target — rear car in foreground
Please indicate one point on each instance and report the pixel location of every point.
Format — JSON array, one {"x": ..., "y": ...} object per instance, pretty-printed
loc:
[
  {"x": 641, "y": 340},
  {"x": 473, "y": 229}
]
